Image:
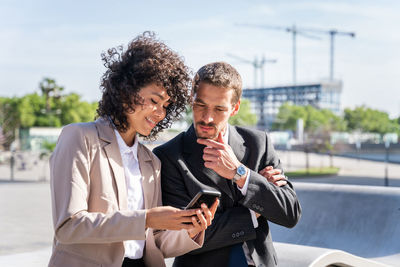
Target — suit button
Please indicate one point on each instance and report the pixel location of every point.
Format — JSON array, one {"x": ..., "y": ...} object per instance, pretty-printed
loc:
[
  {"x": 237, "y": 234},
  {"x": 241, "y": 233},
  {"x": 233, "y": 235},
  {"x": 261, "y": 208}
]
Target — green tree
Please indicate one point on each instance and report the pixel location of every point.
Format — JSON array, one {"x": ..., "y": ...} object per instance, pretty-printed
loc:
[
  {"x": 245, "y": 117},
  {"x": 9, "y": 120},
  {"x": 50, "y": 89},
  {"x": 74, "y": 110},
  {"x": 369, "y": 120},
  {"x": 288, "y": 115}
]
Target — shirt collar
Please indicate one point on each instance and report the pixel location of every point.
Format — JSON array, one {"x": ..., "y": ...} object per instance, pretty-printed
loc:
[{"x": 124, "y": 148}]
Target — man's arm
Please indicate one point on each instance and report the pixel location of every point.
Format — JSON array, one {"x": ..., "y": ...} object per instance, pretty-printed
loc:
[
  {"x": 277, "y": 204},
  {"x": 229, "y": 227},
  {"x": 283, "y": 206}
]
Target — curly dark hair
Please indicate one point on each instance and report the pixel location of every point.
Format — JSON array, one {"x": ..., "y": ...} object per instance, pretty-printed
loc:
[{"x": 145, "y": 61}]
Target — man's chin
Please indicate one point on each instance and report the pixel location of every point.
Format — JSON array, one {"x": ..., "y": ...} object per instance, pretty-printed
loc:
[{"x": 205, "y": 135}]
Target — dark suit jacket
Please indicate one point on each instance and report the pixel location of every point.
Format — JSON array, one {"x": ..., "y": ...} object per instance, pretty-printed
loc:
[{"x": 183, "y": 174}]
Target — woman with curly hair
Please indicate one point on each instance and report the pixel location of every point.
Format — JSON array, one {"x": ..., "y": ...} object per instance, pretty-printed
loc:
[{"x": 105, "y": 185}]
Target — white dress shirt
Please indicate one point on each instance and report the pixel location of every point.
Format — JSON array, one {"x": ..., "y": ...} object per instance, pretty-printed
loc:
[{"x": 133, "y": 177}]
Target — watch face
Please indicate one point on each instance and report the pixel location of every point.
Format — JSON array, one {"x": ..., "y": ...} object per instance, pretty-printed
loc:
[{"x": 241, "y": 170}]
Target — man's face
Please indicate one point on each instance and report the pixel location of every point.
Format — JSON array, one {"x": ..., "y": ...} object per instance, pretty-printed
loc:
[{"x": 212, "y": 108}]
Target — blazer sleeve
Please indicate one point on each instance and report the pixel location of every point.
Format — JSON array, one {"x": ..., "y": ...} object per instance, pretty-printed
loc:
[
  {"x": 279, "y": 205},
  {"x": 230, "y": 226},
  {"x": 70, "y": 190}
]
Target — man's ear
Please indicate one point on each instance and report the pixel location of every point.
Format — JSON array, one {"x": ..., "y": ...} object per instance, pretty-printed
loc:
[{"x": 235, "y": 108}]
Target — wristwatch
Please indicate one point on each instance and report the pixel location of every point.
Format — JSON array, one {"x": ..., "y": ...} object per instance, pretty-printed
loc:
[{"x": 240, "y": 171}]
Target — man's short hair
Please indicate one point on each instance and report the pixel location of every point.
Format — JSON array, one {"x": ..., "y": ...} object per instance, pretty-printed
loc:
[{"x": 220, "y": 74}]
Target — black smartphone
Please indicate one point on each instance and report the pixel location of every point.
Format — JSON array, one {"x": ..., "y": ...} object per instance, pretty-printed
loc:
[{"x": 203, "y": 196}]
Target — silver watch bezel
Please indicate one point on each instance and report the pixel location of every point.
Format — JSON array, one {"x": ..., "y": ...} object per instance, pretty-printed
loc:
[{"x": 238, "y": 174}]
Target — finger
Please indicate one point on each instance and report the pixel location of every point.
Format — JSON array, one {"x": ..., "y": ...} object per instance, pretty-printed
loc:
[
  {"x": 202, "y": 221},
  {"x": 195, "y": 222},
  {"x": 187, "y": 219},
  {"x": 214, "y": 206},
  {"x": 220, "y": 139},
  {"x": 278, "y": 177},
  {"x": 268, "y": 168},
  {"x": 212, "y": 151},
  {"x": 280, "y": 183},
  {"x": 186, "y": 213},
  {"x": 273, "y": 172},
  {"x": 210, "y": 143},
  {"x": 207, "y": 213},
  {"x": 208, "y": 157}
]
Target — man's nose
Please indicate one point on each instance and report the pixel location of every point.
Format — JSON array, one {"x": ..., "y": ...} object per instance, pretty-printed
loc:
[{"x": 207, "y": 116}]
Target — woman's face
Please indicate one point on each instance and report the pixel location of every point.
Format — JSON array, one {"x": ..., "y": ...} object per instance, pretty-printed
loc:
[{"x": 145, "y": 117}]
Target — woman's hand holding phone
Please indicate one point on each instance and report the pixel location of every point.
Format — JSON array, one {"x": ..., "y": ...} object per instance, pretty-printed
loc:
[{"x": 204, "y": 218}]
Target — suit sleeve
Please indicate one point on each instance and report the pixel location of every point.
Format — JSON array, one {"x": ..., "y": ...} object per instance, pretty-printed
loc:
[
  {"x": 70, "y": 190},
  {"x": 277, "y": 204},
  {"x": 230, "y": 226}
]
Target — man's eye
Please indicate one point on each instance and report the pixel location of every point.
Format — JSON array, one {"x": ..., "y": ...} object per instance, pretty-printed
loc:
[{"x": 153, "y": 101}]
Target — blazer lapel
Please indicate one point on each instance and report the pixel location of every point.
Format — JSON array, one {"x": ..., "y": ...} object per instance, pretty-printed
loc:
[
  {"x": 237, "y": 144},
  {"x": 194, "y": 157},
  {"x": 106, "y": 134},
  {"x": 147, "y": 171}
]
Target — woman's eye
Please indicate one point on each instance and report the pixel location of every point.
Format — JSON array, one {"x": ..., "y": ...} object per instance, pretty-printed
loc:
[{"x": 153, "y": 101}]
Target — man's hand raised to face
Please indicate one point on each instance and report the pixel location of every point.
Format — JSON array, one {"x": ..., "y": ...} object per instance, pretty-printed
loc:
[{"x": 219, "y": 157}]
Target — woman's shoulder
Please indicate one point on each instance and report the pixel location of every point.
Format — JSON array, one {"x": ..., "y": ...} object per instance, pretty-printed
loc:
[{"x": 82, "y": 128}]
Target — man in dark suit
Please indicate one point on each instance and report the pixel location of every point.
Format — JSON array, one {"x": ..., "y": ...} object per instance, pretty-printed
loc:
[{"x": 239, "y": 162}]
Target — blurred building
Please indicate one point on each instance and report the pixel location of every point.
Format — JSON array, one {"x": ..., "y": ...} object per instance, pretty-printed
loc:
[
  {"x": 34, "y": 138},
  {"x": 265, "y": 102}
]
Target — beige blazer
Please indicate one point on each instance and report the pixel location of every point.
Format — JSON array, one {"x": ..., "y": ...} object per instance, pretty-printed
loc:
[{"x": 89, "y": 202}]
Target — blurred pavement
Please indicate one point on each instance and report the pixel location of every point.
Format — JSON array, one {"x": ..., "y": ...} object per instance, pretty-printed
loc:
[{"x": 25, "y": 216}]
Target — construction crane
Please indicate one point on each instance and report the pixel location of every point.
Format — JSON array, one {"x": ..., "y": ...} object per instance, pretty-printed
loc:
[
  {"x": 257, "y": 65},
  {"x": 332, "y": 34},
  {"x": 304, "y": 32},
  {"x": 294, "y": 31}
]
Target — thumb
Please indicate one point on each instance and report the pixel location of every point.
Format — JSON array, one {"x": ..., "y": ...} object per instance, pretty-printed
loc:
[{"x": 219, "y": 138}]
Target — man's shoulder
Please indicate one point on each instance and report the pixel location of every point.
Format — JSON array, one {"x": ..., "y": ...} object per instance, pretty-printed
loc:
[
  {"x": 250, "y": 133},
  {"x": 170, "y": 147}
]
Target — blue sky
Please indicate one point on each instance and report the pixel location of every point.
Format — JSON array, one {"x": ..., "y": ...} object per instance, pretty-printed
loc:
[{"x": 64, "y": 41}]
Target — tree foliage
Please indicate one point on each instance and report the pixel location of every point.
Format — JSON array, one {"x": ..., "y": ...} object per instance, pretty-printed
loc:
[
  {"x": 51, "y": 108},
  {"x": 365, "y": 119},
  {"x": 361, "y": 119},
  {"x": 245, "y": 117},
  {"x": 314, "y": 119}
]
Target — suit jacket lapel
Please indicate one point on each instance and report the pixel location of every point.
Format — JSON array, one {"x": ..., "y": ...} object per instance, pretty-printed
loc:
[
  {"x": 147, "y": 171},
  {"x": 194, "y": 152},
  {"x": 237, "y": 144},
  {"x": 110, "y": 145}
]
